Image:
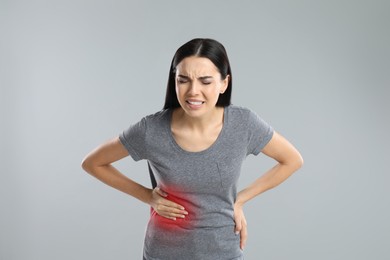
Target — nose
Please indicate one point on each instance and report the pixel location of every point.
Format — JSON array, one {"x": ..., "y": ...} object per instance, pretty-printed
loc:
[{"x": 194, "y": 88}]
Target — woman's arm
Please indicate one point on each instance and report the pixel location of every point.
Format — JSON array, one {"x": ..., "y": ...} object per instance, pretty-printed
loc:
[
  {"x": 98, "y": 164},
  {"x": 289, "y": 160}
]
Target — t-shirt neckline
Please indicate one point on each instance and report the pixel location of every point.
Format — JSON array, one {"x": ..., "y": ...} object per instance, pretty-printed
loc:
[{"x": 208, "y": 149}]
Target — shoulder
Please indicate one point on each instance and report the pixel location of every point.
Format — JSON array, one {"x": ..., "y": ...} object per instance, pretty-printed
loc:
[
  {"x": 245, "y": 117},
  {"x": 238, "y": 112},
  {"x": 150, "y": 121},
  {"x": 157, "y": 117},
  {"x": 155, "y": 124}
]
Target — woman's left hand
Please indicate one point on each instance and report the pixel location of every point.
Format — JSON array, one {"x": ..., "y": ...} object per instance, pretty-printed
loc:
[{"x": 241, "y": 225}]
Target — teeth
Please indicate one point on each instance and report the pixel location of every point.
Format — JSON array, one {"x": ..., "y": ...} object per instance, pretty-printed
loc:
[{"x": 195, "y": 103}]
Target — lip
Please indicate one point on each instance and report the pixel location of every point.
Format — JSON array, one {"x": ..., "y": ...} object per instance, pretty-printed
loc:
[
  {"x": 194, "y": 100},
  {"x": 191, "y": 105}
]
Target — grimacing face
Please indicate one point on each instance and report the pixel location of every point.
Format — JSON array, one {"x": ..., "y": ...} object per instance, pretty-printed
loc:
[{"x": 198, "y": 85}]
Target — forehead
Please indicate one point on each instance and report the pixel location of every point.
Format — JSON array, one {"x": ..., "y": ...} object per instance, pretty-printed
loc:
[{"x": 196, "y": 66}]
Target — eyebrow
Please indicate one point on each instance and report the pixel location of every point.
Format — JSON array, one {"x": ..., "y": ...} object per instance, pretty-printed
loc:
[{"x": 203, "y": 77}]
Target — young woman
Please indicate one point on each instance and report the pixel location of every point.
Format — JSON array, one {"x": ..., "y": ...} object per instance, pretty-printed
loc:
[{"x": 195, "y": 147}]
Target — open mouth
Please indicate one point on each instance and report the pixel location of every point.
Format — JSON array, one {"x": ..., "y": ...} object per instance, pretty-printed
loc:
[{"x": 195, "y": 103}]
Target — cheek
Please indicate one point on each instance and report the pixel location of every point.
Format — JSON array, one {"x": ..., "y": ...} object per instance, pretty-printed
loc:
[
  {"x": 215, "y": 91},
  {"x": 178, "y": 92}
]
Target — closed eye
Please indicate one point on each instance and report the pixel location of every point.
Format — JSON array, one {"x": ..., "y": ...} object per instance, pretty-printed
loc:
[
  {"x": 182, "y": 81},
  {"x": 206, "y": 80}
]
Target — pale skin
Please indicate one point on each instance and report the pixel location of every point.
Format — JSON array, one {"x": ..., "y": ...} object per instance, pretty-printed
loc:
[{"x": 195, "y": 127}]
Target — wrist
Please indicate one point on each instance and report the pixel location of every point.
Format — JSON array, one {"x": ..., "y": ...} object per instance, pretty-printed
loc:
[
  {"x": 148, "y": 196},
  {"x": 239, "y": 203}
]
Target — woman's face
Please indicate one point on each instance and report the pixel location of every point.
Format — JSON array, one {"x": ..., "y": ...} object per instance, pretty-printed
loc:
[{"x": 198, "y": 85}]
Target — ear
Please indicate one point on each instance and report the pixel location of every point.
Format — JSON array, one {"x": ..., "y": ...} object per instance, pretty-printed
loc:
[{"x": 225, "y": 84}]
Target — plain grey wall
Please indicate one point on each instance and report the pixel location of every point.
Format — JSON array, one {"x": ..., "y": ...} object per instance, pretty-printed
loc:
[{"x": 76, "y": 73}]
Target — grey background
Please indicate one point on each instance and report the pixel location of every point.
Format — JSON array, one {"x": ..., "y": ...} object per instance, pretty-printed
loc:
[{"x": 76, "y": 73}]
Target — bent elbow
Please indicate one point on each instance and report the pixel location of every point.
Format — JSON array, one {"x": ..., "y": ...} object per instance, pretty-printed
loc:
[
  {"x": 299, "y": 161},
  {"x": 86, "y": 165}
]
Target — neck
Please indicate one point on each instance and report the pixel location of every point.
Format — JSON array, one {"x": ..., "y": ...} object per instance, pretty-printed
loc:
[{"x": 199, "y": 123}]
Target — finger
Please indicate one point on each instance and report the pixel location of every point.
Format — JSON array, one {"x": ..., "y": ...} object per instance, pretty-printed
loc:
[
  {"x": 238, "y": 225},
  {"x": 243, "y": 237},
  {"x": 171, "y": 210},
  {"x": 175, "y": 215},
  {"x": 168, "y": 209},
  {"x": 171, "y": 204},
  {"x": 171, "y": 215},
  {"x": 166, "y": 201}
]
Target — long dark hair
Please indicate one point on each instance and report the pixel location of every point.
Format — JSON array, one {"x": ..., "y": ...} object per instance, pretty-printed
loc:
[{"x": 205, "y": 48}]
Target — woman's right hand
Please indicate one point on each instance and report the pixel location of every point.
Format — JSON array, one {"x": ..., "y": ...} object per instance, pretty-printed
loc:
[{"x": 164, "y": 207}]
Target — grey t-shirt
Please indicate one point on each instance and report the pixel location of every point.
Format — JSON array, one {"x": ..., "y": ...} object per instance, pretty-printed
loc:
[{"x": 204, "y": 182}]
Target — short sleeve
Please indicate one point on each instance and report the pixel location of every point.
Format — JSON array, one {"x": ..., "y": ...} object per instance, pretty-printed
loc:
[
  {"x": 133, "y": 139},
  {"x": 260, "y": 133}
]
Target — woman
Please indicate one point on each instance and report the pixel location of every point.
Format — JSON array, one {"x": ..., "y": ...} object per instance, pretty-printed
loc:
[{"x": 195, "y": 147}]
